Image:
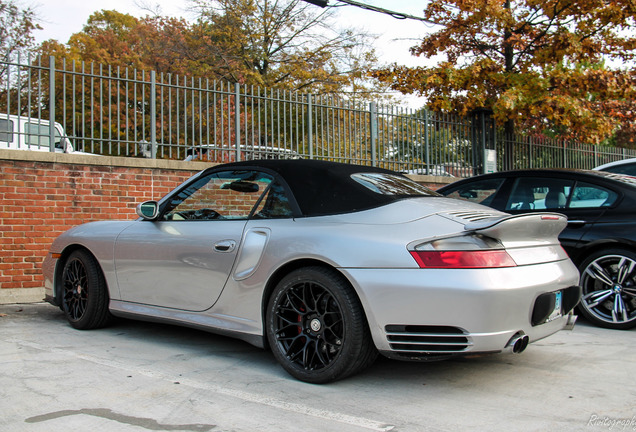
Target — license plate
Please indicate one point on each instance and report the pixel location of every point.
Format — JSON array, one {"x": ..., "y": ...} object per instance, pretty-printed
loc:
[{"x": 556, "y": 313}]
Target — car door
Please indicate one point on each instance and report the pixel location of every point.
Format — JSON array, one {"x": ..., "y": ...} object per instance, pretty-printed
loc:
[
  {"x": 582, "y": 202},
  {"x": 183, "y": 259}
]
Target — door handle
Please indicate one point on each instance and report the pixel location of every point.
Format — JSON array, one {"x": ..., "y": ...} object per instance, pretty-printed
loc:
[
  {"x": 577, "y": 223},
  {"x": 225, "y": 246}
]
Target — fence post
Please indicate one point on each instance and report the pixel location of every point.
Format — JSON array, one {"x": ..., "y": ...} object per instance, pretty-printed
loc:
[
  {"x": 480, "y": 138},
  {"x": 51, "y": 104},
  {"x": 427, "y": 144},
  {"x": 153, "y": 114},
  {"x": 237, "y": 120},
  {"x": 310, "y": 125},
  {"x": 373, "y": 126}
]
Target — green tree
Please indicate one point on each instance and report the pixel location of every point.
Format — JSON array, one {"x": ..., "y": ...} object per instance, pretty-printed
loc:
[{"x": 538, "y": 65}]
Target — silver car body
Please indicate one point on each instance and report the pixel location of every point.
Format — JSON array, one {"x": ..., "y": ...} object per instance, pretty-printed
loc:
[{"x": 218, "y": 275}]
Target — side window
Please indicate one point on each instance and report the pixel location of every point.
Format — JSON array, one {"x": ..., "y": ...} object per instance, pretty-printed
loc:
[
  {"x": 6, "y": 130},
  {"x": 587, "y": 195},
  {"x": 274, "y": 205},
  {"x": 226, "y": 195},
  {"x": 38, "y": 134},
  {"x": 482, "y": 192},
  {"x": 535, "y": 193}
]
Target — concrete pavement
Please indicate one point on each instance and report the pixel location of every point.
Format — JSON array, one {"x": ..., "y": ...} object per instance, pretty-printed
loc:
[{"x": 135, "y": 376}]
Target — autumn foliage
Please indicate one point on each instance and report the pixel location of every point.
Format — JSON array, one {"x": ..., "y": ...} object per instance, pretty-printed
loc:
[
  {"x": 556, "y": 67},
  {"x": 288, "y": 45}
]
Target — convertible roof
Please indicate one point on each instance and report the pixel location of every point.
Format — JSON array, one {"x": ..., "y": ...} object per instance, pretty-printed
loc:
[{"x": 323, "y": 188}]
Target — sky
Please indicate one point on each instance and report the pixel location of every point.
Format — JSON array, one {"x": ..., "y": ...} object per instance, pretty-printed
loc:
[{"x": 62, "y": 18}]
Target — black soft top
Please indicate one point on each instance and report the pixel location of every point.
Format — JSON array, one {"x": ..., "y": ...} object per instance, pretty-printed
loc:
[{"x": 324, "y": 188}]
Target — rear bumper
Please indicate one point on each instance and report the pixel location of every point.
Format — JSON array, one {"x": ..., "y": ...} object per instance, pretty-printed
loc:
[{"x": 430, "y": 313}]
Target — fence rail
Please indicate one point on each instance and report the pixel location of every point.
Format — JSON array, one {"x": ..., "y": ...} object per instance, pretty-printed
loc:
[{"x": 110, "y": 111}]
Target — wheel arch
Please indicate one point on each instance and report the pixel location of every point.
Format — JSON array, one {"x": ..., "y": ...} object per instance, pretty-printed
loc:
[
  {"x": 599, "y": 245},
  {"x": 59, "y": 269}
]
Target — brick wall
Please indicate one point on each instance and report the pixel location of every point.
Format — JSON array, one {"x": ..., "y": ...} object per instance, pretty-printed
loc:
[{"x": 44, "y": 194}]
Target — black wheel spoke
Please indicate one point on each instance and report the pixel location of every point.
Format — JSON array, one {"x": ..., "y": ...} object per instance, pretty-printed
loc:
[
  {"x": 84, "y": 292},
  {"x": 309, "y": 325},
  {"x": 75, "y": 282},
  {"x": 316, "y": 326}
]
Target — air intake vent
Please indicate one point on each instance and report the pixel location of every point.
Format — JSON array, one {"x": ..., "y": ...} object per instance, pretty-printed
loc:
[
  {"x": 413, "y": 340},
  {"x": 473, "y": 216}
]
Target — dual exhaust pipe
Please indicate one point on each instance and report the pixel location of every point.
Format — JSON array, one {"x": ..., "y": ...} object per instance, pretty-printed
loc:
[{"x": 519, "y": 342}]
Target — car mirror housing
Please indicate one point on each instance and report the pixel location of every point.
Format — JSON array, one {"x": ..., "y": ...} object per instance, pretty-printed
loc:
[{"x": 148, "y": 210}]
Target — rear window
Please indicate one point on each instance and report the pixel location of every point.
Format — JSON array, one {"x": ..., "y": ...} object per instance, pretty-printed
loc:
[{"x": 389, "y": 184}]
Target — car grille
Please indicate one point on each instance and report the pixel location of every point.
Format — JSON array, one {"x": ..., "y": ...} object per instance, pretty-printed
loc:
[{"x": 427, "y": 341}]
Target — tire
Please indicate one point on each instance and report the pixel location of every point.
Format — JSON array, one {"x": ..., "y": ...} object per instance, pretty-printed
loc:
[
  {"x": 85, "y": 295},
  {"x": 316, "y": 326},
  {"x": 608, "y": 284}
]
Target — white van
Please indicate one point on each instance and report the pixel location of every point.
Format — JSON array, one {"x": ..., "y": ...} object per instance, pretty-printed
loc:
[{"x": 27, "y": 133}]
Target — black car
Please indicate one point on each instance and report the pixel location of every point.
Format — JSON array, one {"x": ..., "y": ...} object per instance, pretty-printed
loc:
[{"x": 601, "y": 233}]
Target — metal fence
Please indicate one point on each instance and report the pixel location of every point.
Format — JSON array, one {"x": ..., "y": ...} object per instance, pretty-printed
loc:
[{"x": 110, "y": 111}]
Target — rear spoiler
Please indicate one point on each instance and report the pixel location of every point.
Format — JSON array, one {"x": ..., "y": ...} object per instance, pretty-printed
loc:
[{"x": 538, "y": 227}]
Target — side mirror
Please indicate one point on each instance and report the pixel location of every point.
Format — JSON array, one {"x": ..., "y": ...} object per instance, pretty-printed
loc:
[{"x": 148, "y": 210}]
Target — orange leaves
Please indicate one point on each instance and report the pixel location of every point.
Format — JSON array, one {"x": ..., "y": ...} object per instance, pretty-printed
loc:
[{"x": 535, "y": 62}]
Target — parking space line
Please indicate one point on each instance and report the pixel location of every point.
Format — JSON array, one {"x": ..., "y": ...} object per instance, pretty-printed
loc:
[{"x": 239, "y": 394}]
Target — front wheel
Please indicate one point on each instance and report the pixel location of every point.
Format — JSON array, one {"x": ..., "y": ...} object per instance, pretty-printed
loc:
[
  {"x": 608, "y": 283},
  {"x": 85, "y": 295},
  {"x": 316, "y": 326}
]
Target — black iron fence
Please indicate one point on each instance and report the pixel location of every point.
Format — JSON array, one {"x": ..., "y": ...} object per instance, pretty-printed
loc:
[{"x": 98, "y": 109}]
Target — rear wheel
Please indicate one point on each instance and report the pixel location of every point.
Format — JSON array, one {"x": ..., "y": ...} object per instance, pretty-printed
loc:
[
  {"x": 608, "y": 283},
  {"x": 316, "y": 326},
  {"x": 85, "y": 295}
]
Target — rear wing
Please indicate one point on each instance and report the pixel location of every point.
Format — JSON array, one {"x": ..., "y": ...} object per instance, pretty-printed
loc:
[{"x": 539, "y": 228}]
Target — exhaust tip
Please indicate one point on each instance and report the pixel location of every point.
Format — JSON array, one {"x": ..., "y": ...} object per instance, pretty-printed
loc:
[{"x": 518, "y": 343}]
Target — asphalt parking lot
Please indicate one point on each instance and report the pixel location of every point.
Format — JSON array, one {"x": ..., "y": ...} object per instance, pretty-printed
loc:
[{"x": 135, "y": 376}]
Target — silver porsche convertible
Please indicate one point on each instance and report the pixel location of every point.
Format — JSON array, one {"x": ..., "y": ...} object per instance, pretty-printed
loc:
[{"x": 326, "y": 264}]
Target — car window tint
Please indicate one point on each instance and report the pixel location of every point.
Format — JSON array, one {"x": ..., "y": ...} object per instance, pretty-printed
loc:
[
  {"x": 219, "y": 195},
  {"x": 587, "y": 195},
  {"x": 538, "y": 193},
  {"x": 274, "y": 205},
  {"x": 482, "y": 191}
]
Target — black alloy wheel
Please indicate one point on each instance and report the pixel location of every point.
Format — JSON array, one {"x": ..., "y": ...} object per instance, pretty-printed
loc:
[
  {"x": 608, "y": 282},
  {"x": 85, "y": 295},
  {"x": 316, "y": 326}
]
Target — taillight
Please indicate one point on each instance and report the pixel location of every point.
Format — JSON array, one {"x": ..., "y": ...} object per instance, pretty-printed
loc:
[
  {"x": 467, "y": 251},
  {"x": 463, "y": 259}
]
